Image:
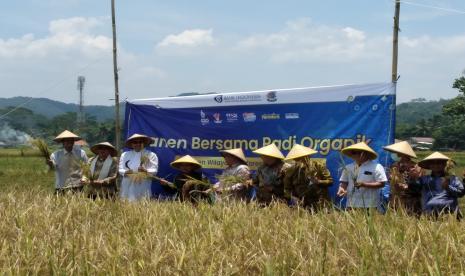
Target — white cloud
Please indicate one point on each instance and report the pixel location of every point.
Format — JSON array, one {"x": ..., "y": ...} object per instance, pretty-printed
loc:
[
  {"x": 303, "y": 41},
  {"x": 66, "y": 35},
  {"x": 188, "y": 38}
]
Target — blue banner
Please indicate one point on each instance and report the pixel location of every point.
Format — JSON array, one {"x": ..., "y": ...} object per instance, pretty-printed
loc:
[{"x": 324, "y": 118}]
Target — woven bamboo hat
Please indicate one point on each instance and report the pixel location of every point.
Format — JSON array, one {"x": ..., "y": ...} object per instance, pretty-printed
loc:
[
  {"x": 426, "y": 163},
  {"x": 147, "y": 140},
  {"x": 66, "y": 135},
  {"x": 186, "y": 159},
  {"x": 362, "y": 146},
  {"x": 298, "y": 151},
  {"x": 401, "y": 148},
  {"x": 107, "y": 145},
  {"x": 236, "y": 153},
  {"x": 271, "y": 150}
]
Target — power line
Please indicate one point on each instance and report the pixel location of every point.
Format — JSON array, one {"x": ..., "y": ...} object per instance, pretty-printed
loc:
[
  {"x": 50, "y": 88},
  {"x": 431, "y": 7}
]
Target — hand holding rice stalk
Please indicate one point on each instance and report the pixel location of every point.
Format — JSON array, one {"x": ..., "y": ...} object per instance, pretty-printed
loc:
[
  {"x": 449, "y": 171},
  {"x": 142, "y": 174},
  {"x": 231, "y": 182},
  {"x": 311, "y": 169},
  {"x": 193, "y": 188},
  {"x": 87, "y": 176}
]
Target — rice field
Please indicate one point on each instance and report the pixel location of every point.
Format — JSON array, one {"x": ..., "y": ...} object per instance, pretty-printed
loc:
[{"x": 44, "y": 234}]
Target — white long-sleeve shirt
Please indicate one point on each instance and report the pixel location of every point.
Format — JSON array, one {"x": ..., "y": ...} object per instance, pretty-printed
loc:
[
  {"x": 67, "y": 167},
  {"x": 130, "y": 160}
]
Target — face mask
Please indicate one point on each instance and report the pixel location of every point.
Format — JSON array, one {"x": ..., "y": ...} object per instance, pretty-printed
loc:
[{"x": 395, "y": 157}]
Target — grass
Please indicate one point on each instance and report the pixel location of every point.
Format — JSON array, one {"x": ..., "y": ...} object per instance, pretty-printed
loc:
[{"x": 44, "y": 234}]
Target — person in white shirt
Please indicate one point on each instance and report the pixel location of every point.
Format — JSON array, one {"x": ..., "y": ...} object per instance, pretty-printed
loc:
[
  {"x": 136, "y": 168},
  {"x": 362, "y": 180},
  {"x": 66, "y": 163}
]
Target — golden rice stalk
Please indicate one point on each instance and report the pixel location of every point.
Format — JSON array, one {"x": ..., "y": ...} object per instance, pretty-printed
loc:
[
  {"x": 42, "y": 146},
  {"x": 194, "y": 190},
  {"x": 449, "y": 169},
  {"x": 396, "y": 176},
  {"x": 144, "y": 160},
  {"x": 230, "y": 180},
  {"x": 139, "y": 177},
  {"x": 85, "y": 170}
]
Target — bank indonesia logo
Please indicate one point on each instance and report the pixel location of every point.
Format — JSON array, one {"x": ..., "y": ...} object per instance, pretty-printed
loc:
[
  {"x": 271, "y": 96},
  {"x": 203, "y": 118},
  {"x": 219, "y": 98}
]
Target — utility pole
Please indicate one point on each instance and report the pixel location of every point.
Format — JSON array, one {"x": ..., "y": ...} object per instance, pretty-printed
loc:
[
  {"x": 115, "y": 73},
  {"x": 80, "y": 86},
  {"x": 395, "y": 43}
]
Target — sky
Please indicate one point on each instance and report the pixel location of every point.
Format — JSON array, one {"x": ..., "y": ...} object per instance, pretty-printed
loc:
[{"x": 171, "y": 47}]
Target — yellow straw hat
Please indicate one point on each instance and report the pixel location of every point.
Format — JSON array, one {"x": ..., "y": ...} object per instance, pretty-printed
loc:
[
  {"x": 401, "y": 148},
  {"x": 236, "y": 153},
  {"x": 185, "y": 159},
  {"x": 426, "y": 163},
  {"x": 271, "y": 150},
  {"x": 66, "y": 135},
  {"x": 298, "y": 151},
  {"x": 147, "y": 140},
  {"x": 113, "y": 151},
  {"x": 362, "y": 146}
]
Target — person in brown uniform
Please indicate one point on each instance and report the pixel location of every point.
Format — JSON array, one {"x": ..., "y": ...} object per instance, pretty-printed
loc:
[
  {"x": 307, "y": 181},
  {"x": 404, "y": 194},
  {"x": 100, "y": 181},
  {"x": 269, "y": 177}
]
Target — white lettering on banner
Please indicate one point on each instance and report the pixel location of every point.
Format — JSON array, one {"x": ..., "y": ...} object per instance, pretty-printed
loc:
[{"x": 323, "y": 145}]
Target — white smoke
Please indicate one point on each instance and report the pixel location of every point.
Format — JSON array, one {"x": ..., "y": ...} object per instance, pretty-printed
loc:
[{"x": 12, "y": 137}]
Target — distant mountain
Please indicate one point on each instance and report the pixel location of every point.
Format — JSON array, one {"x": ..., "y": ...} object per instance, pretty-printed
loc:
[
  {"x": 50, "y": 108},
  {"x": 418, "y": 109},
  {"x": 408, "y": 113}
]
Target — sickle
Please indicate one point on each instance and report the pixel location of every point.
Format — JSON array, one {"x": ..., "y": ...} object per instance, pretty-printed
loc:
[{"x": 126, "y": 164}]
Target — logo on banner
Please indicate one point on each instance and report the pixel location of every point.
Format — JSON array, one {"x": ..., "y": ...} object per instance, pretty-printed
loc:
[
  {"x": 203, "y": 118},
  {"x": 217, "y": 117},
  {"x": 291, "y": 116},
  {"x": 238, "y": 98},
  {"x": 231, "y": 117},
  {"x": 271, "y": 96},
  {"x": 271, "y": 116},
  {"x": 249, "y": 117},
  {"x": 218, "y": 99}
]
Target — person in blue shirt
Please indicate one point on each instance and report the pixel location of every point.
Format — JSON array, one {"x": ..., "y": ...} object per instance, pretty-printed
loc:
[{"x": 440, "y": 190}]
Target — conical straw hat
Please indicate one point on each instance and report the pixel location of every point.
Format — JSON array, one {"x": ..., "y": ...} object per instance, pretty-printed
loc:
[
  {"x": 185, "y": 159},
  {"x": 237, "y": 153},
  {"x": 401, "y": 148},
  {"x": 362, "y": 146},
  {"x": 426, "y": 163},
  {"x": 271, "y": 150},
  {"x": 113, "y": 151},
  {"x": 147, "y": 140},
  {"x": 66, "y": 135},
  {"x": 298, "y": 151}
]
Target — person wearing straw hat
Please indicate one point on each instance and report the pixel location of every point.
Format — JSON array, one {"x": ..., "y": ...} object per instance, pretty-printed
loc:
[
  {"x": 361, "y": 180},
  {"x": 100, "y": 180},
  {"x": 269, "y": 177},
  {"x": 404, "y": 194},
  {"x": 306, "y": 181},
  {"x": 440, "y": 189},
  {"x": 236, "y": 171},
  {"x": 189, "y": 169},
  {"x": 67, "y": 163},
  {"x": 137, "y": 166}
]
